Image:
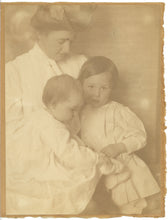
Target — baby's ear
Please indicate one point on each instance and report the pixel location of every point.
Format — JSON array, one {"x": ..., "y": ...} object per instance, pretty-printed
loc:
[{"x": 51, "y": 106}]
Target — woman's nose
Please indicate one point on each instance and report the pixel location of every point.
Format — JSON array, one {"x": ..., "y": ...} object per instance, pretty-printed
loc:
[{"x": 66, "y": 47}]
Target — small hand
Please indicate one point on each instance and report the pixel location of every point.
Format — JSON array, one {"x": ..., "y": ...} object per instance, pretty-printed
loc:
[
  {"x": 105, "y": 163},
  {"x": 103, "y": 159}
]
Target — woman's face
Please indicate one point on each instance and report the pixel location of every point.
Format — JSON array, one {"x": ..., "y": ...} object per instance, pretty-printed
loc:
[
  {"x": 56, "y": 44},
  {"x": 98, "y": 89}
]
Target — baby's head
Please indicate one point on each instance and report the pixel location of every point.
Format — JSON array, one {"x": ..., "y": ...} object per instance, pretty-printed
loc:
[
  {"x": 98, "y": 76},
  {"x": 63, "y": 96}
]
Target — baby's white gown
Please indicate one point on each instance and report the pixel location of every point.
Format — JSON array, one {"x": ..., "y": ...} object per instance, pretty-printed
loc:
[
  {"x": 115, "y": 123},
  {"x": 47, "y": 170}
]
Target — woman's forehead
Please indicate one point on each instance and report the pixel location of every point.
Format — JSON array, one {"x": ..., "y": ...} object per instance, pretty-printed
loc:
[{"x": 61, "y": 34}]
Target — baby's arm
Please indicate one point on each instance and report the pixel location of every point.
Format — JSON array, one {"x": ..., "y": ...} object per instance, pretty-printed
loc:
[{"x": 67, "y": 150}]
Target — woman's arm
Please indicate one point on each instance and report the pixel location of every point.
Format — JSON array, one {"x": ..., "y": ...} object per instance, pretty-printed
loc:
[{"x": 13, "y": 94}]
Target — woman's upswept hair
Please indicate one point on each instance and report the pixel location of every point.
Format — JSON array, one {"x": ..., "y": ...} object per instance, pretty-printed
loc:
[
  {"x": 59, "y": 88},
  {"x": 96, "y": 65}
]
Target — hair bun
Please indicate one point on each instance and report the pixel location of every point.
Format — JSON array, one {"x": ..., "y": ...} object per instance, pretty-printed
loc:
[{"x": 63, "y": 16}]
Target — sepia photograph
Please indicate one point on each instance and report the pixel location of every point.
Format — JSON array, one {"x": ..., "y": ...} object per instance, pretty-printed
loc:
[{"x": 82, "y": 110}]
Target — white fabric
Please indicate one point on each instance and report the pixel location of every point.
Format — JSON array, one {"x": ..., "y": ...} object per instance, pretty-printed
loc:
[
  {"x": 25, "y": 78},
  {"x": 135, "y": 207},
  {"x": 47, "y": 172},
  {"x": 115, "y": 123}
]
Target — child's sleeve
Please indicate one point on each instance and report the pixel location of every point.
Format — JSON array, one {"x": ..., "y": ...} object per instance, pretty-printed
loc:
[
  {"x": 134, "y": 134},
  {"x": 67, "y": 150}
]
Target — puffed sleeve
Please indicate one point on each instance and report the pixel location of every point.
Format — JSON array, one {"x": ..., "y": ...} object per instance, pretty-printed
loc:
[
  {"x": 133, "y": 131},
  {"x": 67, "y": 150},
  {"x": 13, "y": 93}
]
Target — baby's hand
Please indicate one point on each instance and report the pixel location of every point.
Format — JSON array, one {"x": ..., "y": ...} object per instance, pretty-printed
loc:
[
  {"x": 102, "y": 159},
  {"x": 113, "y": 150},
  {"x": 106, "y": 164}
]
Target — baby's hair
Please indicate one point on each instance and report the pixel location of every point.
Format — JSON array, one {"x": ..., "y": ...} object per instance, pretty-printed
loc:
[
  {"x": 59, "y": 88},
  {"x": 96, "y": 65}
]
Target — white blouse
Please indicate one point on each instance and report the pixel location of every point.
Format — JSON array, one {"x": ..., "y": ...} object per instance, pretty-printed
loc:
[{"x": 25, "y": 78}]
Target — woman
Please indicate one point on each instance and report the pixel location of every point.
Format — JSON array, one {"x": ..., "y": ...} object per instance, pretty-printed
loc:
[{"x": 26, "y": 75}]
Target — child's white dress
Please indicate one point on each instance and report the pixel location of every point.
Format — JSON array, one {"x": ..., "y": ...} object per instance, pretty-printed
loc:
[
  {"x": 115, "y": 123},
  {"x": 47, "y": 171}
]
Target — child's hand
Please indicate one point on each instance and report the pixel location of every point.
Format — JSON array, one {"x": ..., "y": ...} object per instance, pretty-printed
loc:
[
  {"x": 103, "y": 159},
  {"x": 113, "y": 150},
  {"x": 108, "y": 165},
  {"x": 105, "y": 164}
]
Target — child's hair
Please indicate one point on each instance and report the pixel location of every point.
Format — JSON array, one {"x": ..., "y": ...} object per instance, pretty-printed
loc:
[
  {"x": 59, "y": 88},
  {"x": 96, "y": 65}
]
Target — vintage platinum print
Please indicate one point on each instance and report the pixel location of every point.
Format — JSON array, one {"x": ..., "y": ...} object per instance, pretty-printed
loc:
[{"x": 82, "y": 110}]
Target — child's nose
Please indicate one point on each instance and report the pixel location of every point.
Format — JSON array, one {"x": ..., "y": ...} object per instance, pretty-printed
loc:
[{"x": 97, "y": 92}]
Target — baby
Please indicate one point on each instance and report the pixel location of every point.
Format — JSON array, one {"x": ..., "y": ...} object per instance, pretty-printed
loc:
[
  {"x": 111, "y": 128},
  {"x": 49, "y": 170}
]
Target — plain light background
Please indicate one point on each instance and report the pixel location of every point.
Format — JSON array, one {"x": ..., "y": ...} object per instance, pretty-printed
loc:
[{"x": 143, "y": 105}]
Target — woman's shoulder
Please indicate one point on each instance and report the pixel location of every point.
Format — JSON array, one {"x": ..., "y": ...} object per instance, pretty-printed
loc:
[{"x": 18, "y": 62}]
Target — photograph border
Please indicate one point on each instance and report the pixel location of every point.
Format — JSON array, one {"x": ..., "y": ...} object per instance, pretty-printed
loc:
[{"x": 163, "y": 113}]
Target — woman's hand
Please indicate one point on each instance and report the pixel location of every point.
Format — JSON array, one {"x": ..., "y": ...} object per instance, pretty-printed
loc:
[{"x": 113, "y": 150}]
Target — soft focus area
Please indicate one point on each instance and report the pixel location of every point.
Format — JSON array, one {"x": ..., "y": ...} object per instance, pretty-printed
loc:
[{"x": 128, "y": 34}]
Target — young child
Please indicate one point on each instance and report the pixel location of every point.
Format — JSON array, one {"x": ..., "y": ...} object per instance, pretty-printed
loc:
[
  {"x": 111, "y": 128},
  {"x": 49, "y": 170}
]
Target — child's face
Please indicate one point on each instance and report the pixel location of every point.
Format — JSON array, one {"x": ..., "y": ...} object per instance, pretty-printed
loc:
[
  {"x": 64, "y": 111},
  {"x": 98, "y": 89}
]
